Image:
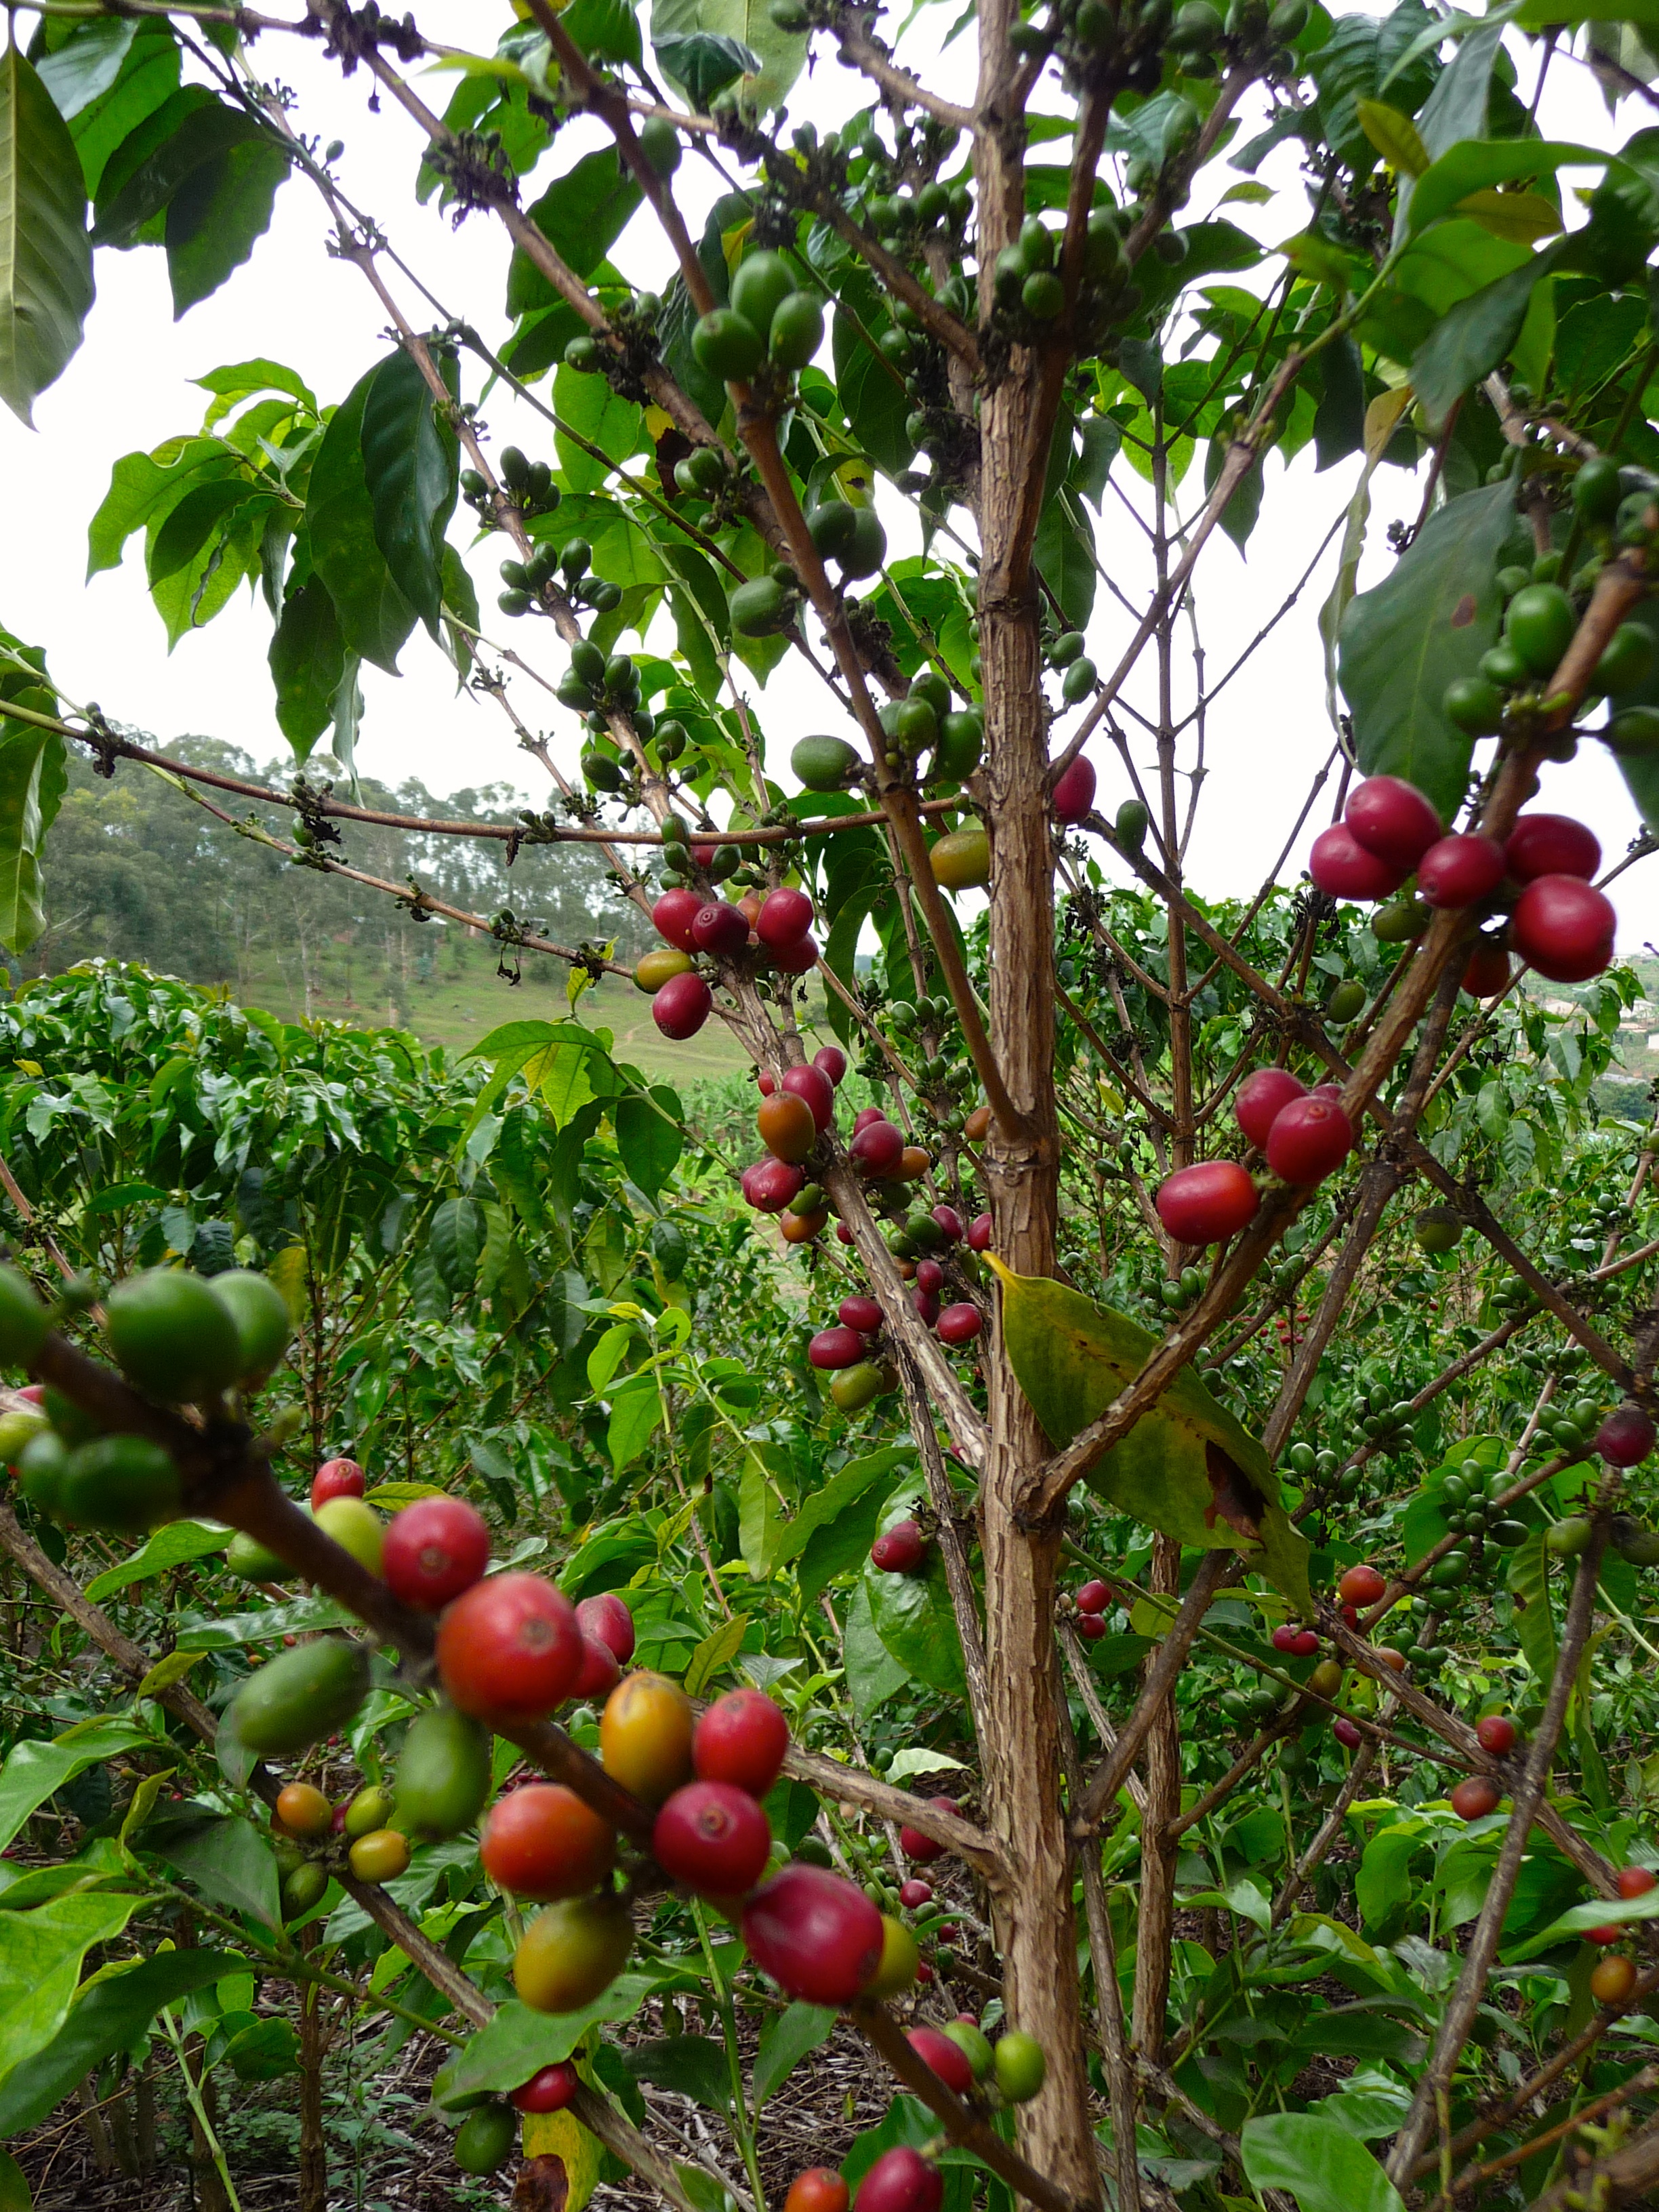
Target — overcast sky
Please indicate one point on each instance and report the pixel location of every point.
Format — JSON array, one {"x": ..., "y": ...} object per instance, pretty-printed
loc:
[{"x": 130, "y": 386}]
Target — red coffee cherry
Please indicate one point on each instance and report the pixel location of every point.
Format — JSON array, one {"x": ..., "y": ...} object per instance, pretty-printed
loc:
[
  {"x": 861, "y": 1314},
  {"x": 836, "y": 1347},
  {"x": 509, "y": 1649},
  {"x": 815, "y": 1934},
  {"x": 785, "y": 918},
  {"x": 901, "y": 2180},
  {"x": 1207, "y": 1203},
  {"x": 606, "y": 1619},
  {"x": 1564, "y": 928},
  {"x": 1092, "y": 1597},
  {"x": 950, "y": 1222},
  {"x": 915, "y": 1893},
  {"x": 742, "y": 1739},
  {"x": 434, "y": 1549},
  {"x": 1551, "y": 845},
  {"x": 924, "y": 1849},
  {"x": 714, "y": 1838},
  {"x": 543, "y": 1842},
  {"x": 1474, "y": 1798},
  {"x": 979, "y": 1233},
  {"x": 901, "y": 1550},
  {"x": 1342, "y": 868},
  {"x": 1635, "y": 1881},
  {"x": 832, "y": 1061},
  {"x": 601, "y": 1673},
  {"x": 820, "y": 2189},
  {"x": 1346, "y": 1733},
  {"x": 947, "y": 2059},
  {"x": 786, "y": 1127},
  {"x": 336, "y": 1478},
  {"x": 721, "y": 929},
  {"x": 1074, "y": 793},
  {"x": 1626, "y": 1437},
  {"x": 673, "y": 914},
  {"x": 813, "y": 1084},
  {"x": 1305, "y": 1645},
  {"x": 770, "y": 1184},
  {"x": 1361, "y": 1586},
  {"x": 1496, "y": 1733},
  {"x": 1392, "y": 820},
  {"x": 865, "y": 1118},
  {"x": 1284, "y": 1638},
  {"x": 1090, "y": 1628},
  {"x": 1460, "y": 870},
  {"x": 795, "y": 959},
  {"x": 767, "y": 1081},
  {"x": 878, "y": 1148},
  {"x": 930, "y": 1277},
  {"x": 1310, "y": 1139},
  {"x": 1488, "y": 969},
  {"x": 1261, "y": 1098},
  {"x": 682, "y": 1006},
  {"x": 548, "y": 2091},
  {"x": 1609, "y": 1931},
  {"x": 925, "y": 1303}
]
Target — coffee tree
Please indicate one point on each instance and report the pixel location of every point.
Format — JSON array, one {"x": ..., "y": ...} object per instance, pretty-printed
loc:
[{"x": 1222, "y": 1434}]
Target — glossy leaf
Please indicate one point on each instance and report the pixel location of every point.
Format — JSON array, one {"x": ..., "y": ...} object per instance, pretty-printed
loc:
[
  {"x": 409, "y": 452},
  {"x": 1402, "y": 642},
  {"x": 111, "y": 2013},
  {"x": 780, "y": 55},
  {"x": 693, "y": 2066},
  {"x": 40, "y": 1955},
  {"x": 229, "y": 1861},
  {"x": 204, "y": 132},
  {"x": 648, "y": 1140},
  {"x": 517, "y": 2042},
  {"x": 307, "y": 660},
  {"x": 1317, "y": 2161},
  {"x": 1188, "y": 1467},
  {"x": 1476, "y": 164},
  {"x": 912, "y": 1614},
  {"x": 1475, "y": 334},
  {"x": 45, "y": 258},
  {"x": 374, "y": 616},
  {"x": 175, "y": 1546},
  {"x": 581, "y": 215},
  {"x": 787, "y": 2039},
  {"x": 216, "y": 216}
]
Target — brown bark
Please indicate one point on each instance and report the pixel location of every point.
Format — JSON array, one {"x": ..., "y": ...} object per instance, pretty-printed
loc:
[
  {"x": 1161, "y": 1768},
  {"x": 314, "y": 2144}
]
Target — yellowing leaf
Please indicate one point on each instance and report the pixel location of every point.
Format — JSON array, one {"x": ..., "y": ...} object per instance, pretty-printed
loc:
[
  {"x": 562, "y": 2136},
  {"x": 1187, "y": 1468},
  {"x": 1394, "y": 136},
  {"x": 166, "y": 1672},
  {"x": 286, "y": 1269},
  {"x": 855, "y": 480},
  {"x": 1524, "y": 218}
]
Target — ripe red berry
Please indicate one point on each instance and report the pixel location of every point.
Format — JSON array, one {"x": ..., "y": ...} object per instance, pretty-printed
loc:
[
  {"x": 1260, "y": 1099},
  {"x": 1460, "y": 870},
  {"x": 1635, "y": 1881},
  {"x": 1346, "y": 1733},
  {"x": 816, "y": 1935},
  {"x": 673, "y": 914},
  {"x": 795, "y": 959},
  {"x": 714, "y": 1838},
  {"x": 860, "y": 1312},
  {"x": 682, "y": 1006},
  {"x": 1609, "y": 1931},
  {"x": 1310, "y": 1139},
  {"x": 742, "y": 1739},
  {"x": 1342, "y": 868},
  {"x": 606, "y": 1619},
  {"x": 836, "y": 1347},
  {"x": 543, "y": 1843},
  {"x": 548, "y": 2091},
  {"x": 950, "y": 1222},
  {"x": 1207, "y": 1203},
  {"x": 785, "y": 918},
  {"x": 832, "y": 1061},
  {"x": 434, "y": 1550},
  {"x": 1564, "y": 928},
  {"x": 923, "y": 1850},
  {"x": 1283, "y": 1638},
  {"x": 1392, "y": 820},
  {"x": 1496, "y": 1733},
  {"x": 878, "y": 1148},
  {"x": 1074, "y": 792},
  {"x": 719, "y": 928},
  {"x": 767, "y": 1081},
  {"x": 930, "y": 1276},
  {"x": 1551, "y": 845},
  {"x": 901, "y": 2180},
  {"x": 1306, "y": 1644},
  {"x": 979, "y": 1233},
  {"x": 925, "y": 1303},
  {"x": 915, "y": 1893},
  {"x": 900, "y": 1550},
  {"x": 1626, "y": 1437},
  {"x": 770, "y": 1184},
  {"x": 1090, "y": 1628},
  {"x": 820, "y": 2189},
  {"x": 1093, "y": 1597},
  {"x": 1474, "y": 1798},
  {"x": 865, "y": 1118},
  {"x": 947, "y": 2059},
  {"x": 813, "y": 1084},
  {"x": 509, "y": 1649},
  {"x": 1361, "y": 1586},
  {"x": 601, "y": 1673},
  {"x": 336, "y": 1478},
  {"x": 843, "y": 1234},
  {"x": 1488, "y": 969}
]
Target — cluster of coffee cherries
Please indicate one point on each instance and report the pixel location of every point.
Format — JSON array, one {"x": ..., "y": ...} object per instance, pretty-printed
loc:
[
  {"x": 1539, "y": 876},
  {"x": 773, "y": 931},
  {"x": 1304, "y": 1135},
  {"x": 1089, "y": 1602}
]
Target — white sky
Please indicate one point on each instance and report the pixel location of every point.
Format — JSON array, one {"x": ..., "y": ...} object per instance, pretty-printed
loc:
[{"x": 130, "y": 386}]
